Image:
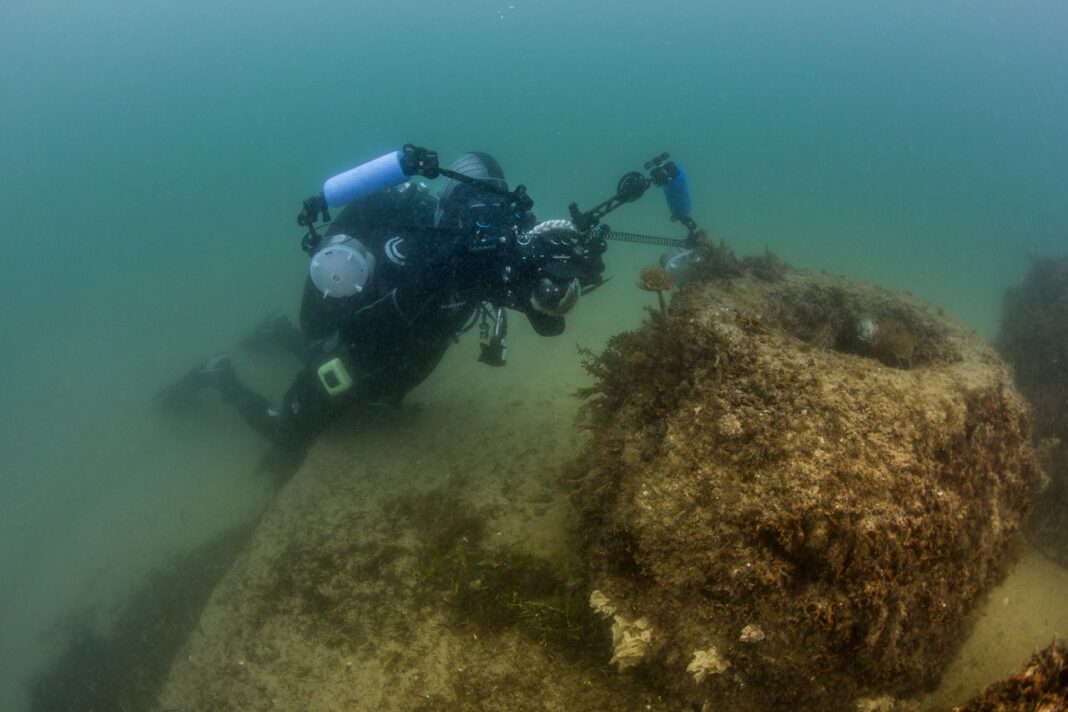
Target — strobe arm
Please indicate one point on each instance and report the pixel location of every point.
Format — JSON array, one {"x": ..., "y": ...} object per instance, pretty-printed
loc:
[
  {"x": 691, "y": 228},
  {"x": 663, "y": 173},
  {"x": 416, "y": 160},
  {"x": 313, "y": 208},
  {"x": 630, "y": 187},
  {"x": 419, "y": 161},
  {"x": 661, "y": 170}
]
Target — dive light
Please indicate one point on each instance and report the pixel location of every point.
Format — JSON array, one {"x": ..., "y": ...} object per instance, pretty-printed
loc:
[{"x": 677, "y": 193}]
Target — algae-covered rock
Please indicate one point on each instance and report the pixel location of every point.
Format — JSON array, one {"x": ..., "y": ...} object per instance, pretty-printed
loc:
[
  {"x": 1034, "y": 340},
  {"x": 837, "y": 466},
  {"x": 1042, "y": 685}
]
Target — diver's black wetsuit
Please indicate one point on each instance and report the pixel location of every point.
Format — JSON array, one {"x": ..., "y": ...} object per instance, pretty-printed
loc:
[{"x": 425, "y": 288}]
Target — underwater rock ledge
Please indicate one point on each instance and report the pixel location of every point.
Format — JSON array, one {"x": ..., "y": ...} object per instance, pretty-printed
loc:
[
  {"x": 1034, "y": 339},
  {"x": 837, "y": 466}
]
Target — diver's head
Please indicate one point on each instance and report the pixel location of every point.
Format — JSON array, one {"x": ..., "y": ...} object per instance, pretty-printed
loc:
[{"x": 472, "y": 207}]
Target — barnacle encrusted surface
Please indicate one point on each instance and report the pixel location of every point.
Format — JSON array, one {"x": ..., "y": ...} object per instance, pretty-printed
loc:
[{"x": 754, "y": 463}]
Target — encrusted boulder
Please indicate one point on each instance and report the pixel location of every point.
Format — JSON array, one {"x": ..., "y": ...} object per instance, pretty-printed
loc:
[
  {"x": 802, "y": 484},
  {"x": 1034, "y": 340},
  {"x": 1042, "y": 685}
]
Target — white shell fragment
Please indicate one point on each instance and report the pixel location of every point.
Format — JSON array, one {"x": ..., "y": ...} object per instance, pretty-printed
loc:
[
  {"x": 752, "y": 633},
  {"x": 705, "y": 663},
  {"x": 631, "y": 641},
  {"x": 601, "y": 605}
]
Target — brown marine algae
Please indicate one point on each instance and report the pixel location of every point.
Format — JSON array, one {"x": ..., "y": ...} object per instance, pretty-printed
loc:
[
  {"x": 1041, "y": 686},
  {"x": 655, "y": 279},
  {"x": 746, "y": 470}
]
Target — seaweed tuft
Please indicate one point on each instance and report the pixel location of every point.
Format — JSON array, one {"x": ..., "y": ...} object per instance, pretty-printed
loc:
[{"x": 492, "y": 589}]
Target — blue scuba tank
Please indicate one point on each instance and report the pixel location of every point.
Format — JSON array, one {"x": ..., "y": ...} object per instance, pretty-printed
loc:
[{"x": 363, "y": 180}]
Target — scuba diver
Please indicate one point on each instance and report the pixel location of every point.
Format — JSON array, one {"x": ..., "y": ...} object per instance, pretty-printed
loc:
[
  {"x": 400, "y": 274},
  {"x": 393, "y": 281}
]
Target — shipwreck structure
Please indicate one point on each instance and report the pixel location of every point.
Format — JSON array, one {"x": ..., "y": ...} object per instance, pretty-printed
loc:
[{"x": 798, "y": 488}]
